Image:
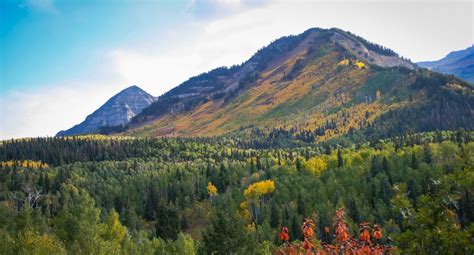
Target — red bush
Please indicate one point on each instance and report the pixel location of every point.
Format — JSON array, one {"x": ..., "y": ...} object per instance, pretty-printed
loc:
[{"x": 344, "y": 243}]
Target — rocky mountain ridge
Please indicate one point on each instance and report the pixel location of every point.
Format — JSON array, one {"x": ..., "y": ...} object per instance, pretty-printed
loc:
[
  {"x": 459, "y": 63},
  {"x": 326, "y": 82},
  {"x": 116, "y": 112},
  {"x": 319, "y": 85}
]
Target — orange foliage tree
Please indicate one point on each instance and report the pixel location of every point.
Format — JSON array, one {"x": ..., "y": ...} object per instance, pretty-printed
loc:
[{"x": 345, "y": 243}]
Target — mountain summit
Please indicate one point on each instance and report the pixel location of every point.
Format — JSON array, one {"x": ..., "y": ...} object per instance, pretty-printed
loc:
[
  {"x": 117, "y": 111},
  {"x": 459, "y": 63},
  {"x": 323, "y": 83}
]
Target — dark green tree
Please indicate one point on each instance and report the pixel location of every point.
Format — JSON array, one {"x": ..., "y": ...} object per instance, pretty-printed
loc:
[
  {"x": 427, "y": 154},
  {"x": 301, "y": 206},
  {"x": 274, "y": 215},
  {"x": 340, "y": 160},
  {"x": 227, "y": 235},
  {"x": 168, "y": 224}
]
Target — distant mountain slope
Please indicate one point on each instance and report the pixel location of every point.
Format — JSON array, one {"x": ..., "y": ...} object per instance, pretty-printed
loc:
[
  {"x": 459, "y": 63},
  {"x": 117, "y": 111},
  {"x": 323, "y": 82}
]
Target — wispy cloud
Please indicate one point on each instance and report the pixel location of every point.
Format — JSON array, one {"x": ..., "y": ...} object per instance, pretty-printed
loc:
[
  {"x": 232, "y": 39},
  {"x": 211, "y": 9},
  {"x": 46, "y": 6}
]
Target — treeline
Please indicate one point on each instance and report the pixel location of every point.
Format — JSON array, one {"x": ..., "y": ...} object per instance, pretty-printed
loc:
[
  {"x": 200, "y": 197},
  {"x": 248, "y": 142},
  {"x": 65, "y": 150}
]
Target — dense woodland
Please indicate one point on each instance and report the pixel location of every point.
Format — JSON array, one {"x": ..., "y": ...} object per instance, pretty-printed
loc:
[{"x": 248, "y": 193}]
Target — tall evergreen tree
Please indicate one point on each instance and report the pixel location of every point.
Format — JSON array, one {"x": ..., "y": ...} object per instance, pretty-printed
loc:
[{"x": 340, "y": 160}]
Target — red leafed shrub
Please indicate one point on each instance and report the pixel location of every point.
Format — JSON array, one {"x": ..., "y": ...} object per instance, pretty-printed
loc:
[
  {"x": 284, "y": 236},
  {"x": 368, "y": 243}
]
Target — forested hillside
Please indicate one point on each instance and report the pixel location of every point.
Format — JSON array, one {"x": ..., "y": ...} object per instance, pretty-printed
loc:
[
  {"x": 262, "y": 136},
  {"x": 320, "y": 143},
  {"x": 327, "y": 83},
  {"x": 240, "y": 194}
]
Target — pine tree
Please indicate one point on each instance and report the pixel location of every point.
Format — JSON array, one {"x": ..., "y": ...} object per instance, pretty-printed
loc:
[
  {"x": 151, "y": 204},
  {"x": 427, "y": 154},
  {"x": 411, "y": 189},
  {"x": 340, "y": 160},
  {"x": 295, "y": 228},
  {"x": 374, "y": 167},
  {"x": 414, "y": 161},
  {"x": 227, "y": 235},
  {"x": 386, "y": 190},
  {"x": 298, "y": 165},
  {"x": 301, "y": 206},
  {"x": 274, "y": 215},
  {"x": 168, "y": 224}
]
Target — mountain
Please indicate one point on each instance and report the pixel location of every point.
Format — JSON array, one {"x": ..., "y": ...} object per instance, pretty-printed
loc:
[
  {"x": 323, "y": 83},
  {"x": 459, "y": 63},
  {"x": 117, "y": 111}
]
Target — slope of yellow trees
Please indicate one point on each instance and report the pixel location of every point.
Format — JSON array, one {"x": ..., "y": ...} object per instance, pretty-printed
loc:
[{"x": 24, "y": 163}]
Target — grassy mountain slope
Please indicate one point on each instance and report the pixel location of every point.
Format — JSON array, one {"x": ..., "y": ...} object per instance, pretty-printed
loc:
[{"x": 328, "y": 81}]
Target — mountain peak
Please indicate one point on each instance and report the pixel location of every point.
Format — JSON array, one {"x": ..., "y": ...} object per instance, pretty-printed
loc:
[
  {"x": 328, "y": 80},
  {"x": 117, "y": 111},
  {"x": 133, "y": 88},
  {"x": 369, "y": 52},
  {"x": 459, "y": 63}
]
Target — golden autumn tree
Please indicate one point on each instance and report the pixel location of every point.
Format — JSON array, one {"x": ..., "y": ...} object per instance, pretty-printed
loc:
[
  {"x": 25, "y": 163},
  {"x": 31, "y": 242},
  {"x": 359, "y": 64},
  {"x": 315, "y": 166},
  {"x": 256, "y": 196},
  {"x": 211, "y": 189}
]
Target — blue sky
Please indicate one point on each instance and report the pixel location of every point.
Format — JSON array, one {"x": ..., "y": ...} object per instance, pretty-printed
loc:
[
  {"x": 61, "y": 60},
  {"x": 60, "y": 41}
]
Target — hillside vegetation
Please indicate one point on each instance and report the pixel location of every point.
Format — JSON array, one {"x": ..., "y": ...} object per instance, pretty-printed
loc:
[
  {"x": 320, "y": 143},
  {"x": 329, "y": 83},
  {"x": 235, "y": 195}
]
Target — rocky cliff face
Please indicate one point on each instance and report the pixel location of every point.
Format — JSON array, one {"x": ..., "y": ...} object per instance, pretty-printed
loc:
[{"x": 117, "y": 111}]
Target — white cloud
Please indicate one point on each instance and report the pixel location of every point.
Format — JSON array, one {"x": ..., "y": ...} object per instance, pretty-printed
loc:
[
  {"x": 222, "y": 42},
  {"x": 46, "y": 6},
  {"x": 47, "y": 110},
  {"x": 409, "y": 29}
]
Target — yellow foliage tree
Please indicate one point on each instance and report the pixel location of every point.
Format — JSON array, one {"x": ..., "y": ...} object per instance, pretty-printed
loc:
[
  {"x": 211, "y": 189},
  {"x": 359, "y": 64},
  {"x": 113, "y": 232},
  {"x": 31, "y": 242},
  {"x": 258, "y": 189},
  {"x": 25, "y": 163},
  {"x": 255, "y": 195},
  {"x": 315, "y": 165}
]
